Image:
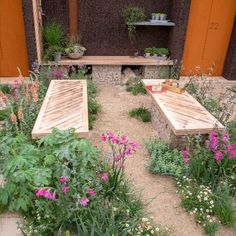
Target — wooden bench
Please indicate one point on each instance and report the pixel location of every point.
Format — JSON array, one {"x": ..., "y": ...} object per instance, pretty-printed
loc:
[
  {"x": 107, "y": 69},
  {"x": 176, "y": 115},
  {"x": 64, "y": 106}
]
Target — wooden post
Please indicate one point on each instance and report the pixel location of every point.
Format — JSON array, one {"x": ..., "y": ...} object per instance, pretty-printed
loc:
[
  {"x": 37, "y": 13},
  {"x": 73, "y": 18}
]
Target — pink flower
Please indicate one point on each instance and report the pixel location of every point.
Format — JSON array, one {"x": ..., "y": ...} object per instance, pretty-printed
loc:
[
  {"x": 91, "y": 192},
  {"x": 120, "y": 165},
  {"x": 46, "y": 193},
  {"x": 104, "y": 177},
  {"x": 185, "y": 155},
  {"x": 133, "y": 146},
  {"x": 40, "y": 192},
  {"x": 213, "y": 142},
  {"x": 124, "y": 139},
  {"x": 63, "y": 179},
  {"x": 84, "y": 201},
  {"x": 218, "y": 156},
  {"x": 65, "y": 189},
  {"x": 225, "y": 137},
  {"x": 103, "y": 137}
]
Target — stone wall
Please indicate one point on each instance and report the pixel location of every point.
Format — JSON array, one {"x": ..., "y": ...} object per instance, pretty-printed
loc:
[
  {"x": 101, "y": 25},
  {"x": 179, "y": 14},
  {"x": 29, "y": 31},
  {"x": 230, "y": 62}
]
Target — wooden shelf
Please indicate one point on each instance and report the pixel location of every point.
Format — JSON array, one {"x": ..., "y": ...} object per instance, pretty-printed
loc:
[{"x": 148, "y": 23}]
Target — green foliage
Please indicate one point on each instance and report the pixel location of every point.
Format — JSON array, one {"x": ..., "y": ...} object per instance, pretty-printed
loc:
[
  {"x": 165, "y": 160},
  {"x": 222, "y": 108},
  {"x": 51, "y": 52},
  {"x": 28, "y": 168},
  {"x": 53, "y": 35},
  {"x": 157, "y": 51},
  {"x": 6, "y": 89},
  {"x": 93, "y": 106},
  {"x": 132, "y": 14},
  {"x": 141, "y": 113},
  {"x": 135, "y": 86},
  {"x": 231, "y": 126},
  {"x": 224, "y": 208}
]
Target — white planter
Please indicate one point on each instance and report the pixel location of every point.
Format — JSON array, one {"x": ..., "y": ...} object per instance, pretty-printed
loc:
[
  {"x": 147, "y": 54},
  {"x": 75, "y": 55},
  {"x": 163, "y": 17}
]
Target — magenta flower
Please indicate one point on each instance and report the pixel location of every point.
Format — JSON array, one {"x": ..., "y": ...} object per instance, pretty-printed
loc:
[
  {"x": 65, "y": 189},
  {"x": 225, "y": 137},
  {"x": 46, "y": 193},
  {"x": 104, "y": 177},
  {"x": 213, "y": 142},
  {"x": 231, "y": 150},
  {"x": 63, "y": 179},
  {"x": 91, "y": 192},
  {"x": 124, "y": 139},
  {"x": 185, "y": 155},
  {"x": 103, "y": 137},
  {"x": 84, "y": 201},
  {"x": 40, "y": 192},
  {"x": 218, "y": 156}
]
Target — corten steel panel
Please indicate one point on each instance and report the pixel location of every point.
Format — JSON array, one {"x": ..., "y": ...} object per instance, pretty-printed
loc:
[
  {"x": 101, "y": 25},
  {"x": 208, "y": 35},
  {"x": 13, "y": 51}
]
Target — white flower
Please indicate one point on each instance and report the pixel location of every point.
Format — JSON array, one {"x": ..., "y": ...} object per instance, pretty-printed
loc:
[
  {"x": 157, "y": 229},
  {"x": 207, "y": 210},
  {"x": 127, "y": 225}
]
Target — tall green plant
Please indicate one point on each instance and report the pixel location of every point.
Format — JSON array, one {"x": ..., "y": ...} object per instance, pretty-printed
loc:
[{"x": 53, "y": 35}]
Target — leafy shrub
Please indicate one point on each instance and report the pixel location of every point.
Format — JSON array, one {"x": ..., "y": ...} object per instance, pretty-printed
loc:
[
  {"x": 135, "y": 86},
  {"x": 141, "y": 113},
  {"x": 51, "y": 52},
  {"x": 164, "y": 160},
  {"x": 132, "y": 14}
]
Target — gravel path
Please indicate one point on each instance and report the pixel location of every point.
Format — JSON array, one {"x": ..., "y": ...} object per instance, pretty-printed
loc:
[{"x": 158, "y": 191}]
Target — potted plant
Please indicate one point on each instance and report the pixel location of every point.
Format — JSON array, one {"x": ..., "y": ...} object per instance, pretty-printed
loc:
[
  {"x": 163, "y": 53},
  {"x": 163, "y": 16},
  {"x": 148, "y": 52},
  {"x": 157, "y": 16},
  {"x": 155, "y": 52},
  {"x": 53, "y": 53},
  {"x": 75, "y": 51},
  {"x": 131, "y": 15}
]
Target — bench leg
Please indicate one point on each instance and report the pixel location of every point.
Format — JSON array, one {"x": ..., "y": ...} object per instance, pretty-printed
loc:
[
  {"x": 106, "y": 75},
  {"x": 156, "y": 72}
]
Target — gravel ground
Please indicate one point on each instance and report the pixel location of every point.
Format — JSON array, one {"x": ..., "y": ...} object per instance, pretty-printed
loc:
[{"x": 158, "y": 191}]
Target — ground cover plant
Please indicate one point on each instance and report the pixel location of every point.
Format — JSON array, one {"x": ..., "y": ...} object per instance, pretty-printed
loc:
[
  {"x": 61, "y": 186},
  {"x": 135, "y": 86},
  {"x": 141, "y": 113},
  {"x": 205, "y": 175}
]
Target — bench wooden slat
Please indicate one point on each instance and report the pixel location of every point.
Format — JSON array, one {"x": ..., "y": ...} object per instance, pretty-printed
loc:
[
  {"x": 183, "y": 113},
  {"x": 115, "y": 60},
  {"x": 64, "y": 106}
]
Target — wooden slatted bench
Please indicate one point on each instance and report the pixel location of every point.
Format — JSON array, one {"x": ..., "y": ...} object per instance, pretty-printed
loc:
[
  {"x": 176, "y": 115},
  {"x": 64, "y": 106},
  {"x": 107, "y": 69}
]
